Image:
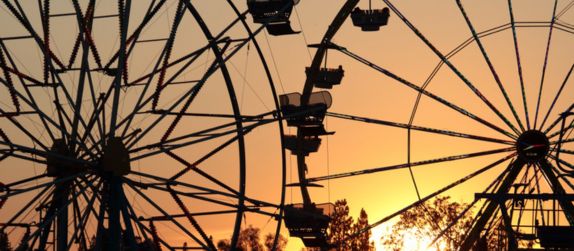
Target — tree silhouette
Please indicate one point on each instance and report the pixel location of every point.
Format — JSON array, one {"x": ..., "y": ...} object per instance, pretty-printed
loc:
[
  {"x": 141, "y": 244},
  {"x": 342, "y": 226},
  {"x": 281, "y": 242},
  {"x": 4, "y": 242},
  {"x": 426, "y": 221},
  {"x": 250, "y": 240},
  {"x": 362, "y": 242}
]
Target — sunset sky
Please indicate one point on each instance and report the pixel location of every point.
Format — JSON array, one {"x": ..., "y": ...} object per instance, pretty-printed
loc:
[{"x": 364, "y": 92}]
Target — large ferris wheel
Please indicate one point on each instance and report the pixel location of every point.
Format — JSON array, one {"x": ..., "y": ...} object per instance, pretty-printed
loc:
[
  {"x": 497, "y": 91},
  {"x": 124, "y": 124},
  {"x": 135, "y": 125}
]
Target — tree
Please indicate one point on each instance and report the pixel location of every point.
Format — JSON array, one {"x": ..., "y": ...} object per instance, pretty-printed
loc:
[
  {"x": 4, "y": 242},
  {"x": 340, "y": 225},
  {"x": 362, "y": 241},
  {"x": 250, "y": 240},
  {"x": 281, "y": 242},
  {"x": 426, "y": 221}
]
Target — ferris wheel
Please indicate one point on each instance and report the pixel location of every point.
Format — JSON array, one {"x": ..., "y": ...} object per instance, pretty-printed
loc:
[
  {"x": 474, "y": 96},
  {"x": 125, "y": 125}
]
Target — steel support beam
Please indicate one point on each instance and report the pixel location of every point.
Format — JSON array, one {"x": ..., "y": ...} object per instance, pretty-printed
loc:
[{"x": 474, "y": 233}]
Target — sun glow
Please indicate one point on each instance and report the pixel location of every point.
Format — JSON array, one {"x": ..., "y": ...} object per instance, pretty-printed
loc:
[{"x": 411, "y": 240}]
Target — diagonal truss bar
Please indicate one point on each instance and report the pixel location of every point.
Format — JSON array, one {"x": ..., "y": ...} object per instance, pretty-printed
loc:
[
  {"x": 451, "y": 66},
  {"x": 132, "y": 40},
  {"x": 179, "y": 11},
  {"x": 470, "y": 206},
  {"x": 191, "y": 219},
  {"x": 406, "y": 165},
  {"x": 418, "y": 128},
  {"x": 558, "y": 189},
  {"x": 423, "y": 91},
  {"x": 474, "y": 233},
  {"x": 190, "y": 166},
  {"x": 490, "y": 65}
]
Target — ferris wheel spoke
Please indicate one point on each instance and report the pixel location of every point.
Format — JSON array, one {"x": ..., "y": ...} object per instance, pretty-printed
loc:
[
  {"x": 418, "y": 128},
  {"x": 562, "y": 175},
  {"x": 191, "y": 219},
  {"x": 571, "y": 152},
  {"x": 217, "y": 63},
  {"x": 196, "y": 169},
  {"x": 192, "y": 57},
  {"x": 519, "y": 64},
  {"x": 81, "y": 219},
  {"x": 188, "y": 59},
  {"x": 31, "y": 101},
  {"x": 407, "y": 165},
  {"x": 555, "y": 134},
  {"x": 22, "y": 157},
  {"x": 557, "y": 120},
  {"x": 20, "y": 15},
  {"x": 124, "y": 14},
  {"x": 204, "y": 196},
  {"x": 173, "y": 182},
  {"x": 544, "y": 66},
  {"x": 564, "y": 162},
  {"x": 166, "y": 214},
  {"x": 425, "y": 92},
  {"x": 432, "y": 195},
  {"x": 17, "y": 72},
  {"x": 490, "y": 65},
  {"x": 203, "y": 132},
  {"x": 169, "y": 147},
  {"x": 14, "y": 192},
  {"x": 28, "y": 206},
  {"x": 141, "y": 103},
  {"x": 42, "y": 115},
  {"x": 44, "y": 154},
  {"x": 132, "y": 40},
  {"x": 143, "y": 229},
  {"x": 27, "y": 132},
  {"x": 26, "y": 180},
  {"x": 166, "y": 52},
  {"x": 470, "y": 206},
  {"x": 451, "y": 66},
  {"x": 189, "y": 96},
  {"x": 55, "y": 210},
  {"x": 192, "y": 92},
  {"x": 84, "y": 68},
  {"x": 557, "y": 96},
  {"x": 75, "y": 140}
]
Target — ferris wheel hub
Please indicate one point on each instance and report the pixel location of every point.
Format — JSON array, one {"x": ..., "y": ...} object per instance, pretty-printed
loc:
[
  {"x": 59, "y": 161},
  {"x": 116, "y": 159},
  {"x": 532, "y": 146}
]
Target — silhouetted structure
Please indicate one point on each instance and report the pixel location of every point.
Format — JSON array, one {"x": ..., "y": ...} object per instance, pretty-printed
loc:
[{"x": 274, "y": 14}]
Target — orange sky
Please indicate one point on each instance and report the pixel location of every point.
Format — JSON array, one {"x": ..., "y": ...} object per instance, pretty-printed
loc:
[{"x": 364, "y": 92}]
